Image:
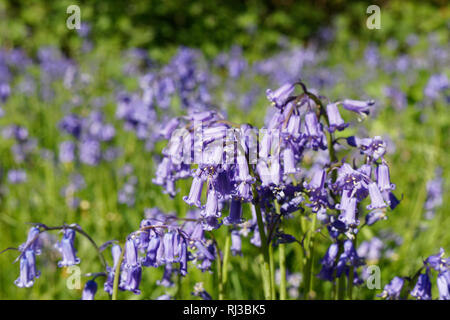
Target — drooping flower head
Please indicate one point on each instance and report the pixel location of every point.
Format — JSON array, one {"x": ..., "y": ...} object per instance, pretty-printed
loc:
[
  {"x": 89, "y": 291},
  {"x": 67, "y": 248},
  {"x": 393, "y": 289}
]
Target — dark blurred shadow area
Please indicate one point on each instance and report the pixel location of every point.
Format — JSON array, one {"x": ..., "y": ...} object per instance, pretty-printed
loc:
[{"x": 211, "y": 25}]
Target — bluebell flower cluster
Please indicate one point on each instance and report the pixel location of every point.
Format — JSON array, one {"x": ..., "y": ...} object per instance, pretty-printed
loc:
[
  {"x": 29, "y": 250},
  {"x": 239, "y": 164},
  {"x": 421, "y": 285},
  {"x": 23, "y": 146},
  {"x": 126, "y": 194},
  {"x": 88, "y": 134},
  {"x": 434, "y": 195}
]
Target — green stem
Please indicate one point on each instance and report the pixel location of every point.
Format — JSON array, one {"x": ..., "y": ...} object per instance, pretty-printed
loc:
[
  {"x": 341, "y": 287},
  {"x": 334, "y": 291},
  {"x": 264, "y": 244},
  {"x": 219, "y": 268},
  {"x": 179, "y": 293},
  {"x": 264, "y": 249},
  {"x": 226, "y": 258},
  {"x": 117, "y": 275},
  {"x": 311, "y": 293},
  {"x": 265, "y": 273},
  {"x": 282, "y": 253},
  {"x": 220, "y": 276},
  {"x": 272, "y": 273},
  {"x": 308, "y": 269},
  {"x": 351, "y": 274},
  {"x": 350, "y": 284}
]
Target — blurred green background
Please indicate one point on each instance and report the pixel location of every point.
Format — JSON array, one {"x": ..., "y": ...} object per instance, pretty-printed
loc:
[{"x": 420, "y": 134}]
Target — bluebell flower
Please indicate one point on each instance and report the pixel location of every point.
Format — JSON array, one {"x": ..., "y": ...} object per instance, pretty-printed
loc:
[
  {"x": 360, "y": 107},
  {"x": 397, "y": 97},
  {"x": 422, "y": 290},
  {"x": 349, "y": 212},
  {"x": 437, "y": 261},
  {"x": 289, "y": 163},
  {"x": 169, "y": 127},
  {"x": 165, "y": 297},
  {"x": 376, "y": 198},
  {"x": 264, "y": 173},
  {"x": 393, "y": 289},
  {"x": 235, "y": 216},
  {"x": 166, "y": 280},
  {"x": 169, "y": 248},
  {"x": 383, "y": 178},
  {"x": 195, "y": 193},
  {"x": 71, "y": 124},
  {"x": 348, "y": 258},
  {"x": 293, "y": 126},
  {"x": 236, "y": 243},
  {"x": 256, "y": 238},
  {"x": 33, "y": 241},
  {"x": 17, "y": 176},
  {"x": 243, "y": 191},
  {"x": 67, "y": 248},
  {"x": 89, "y": 291},
  {"x": 375, "y": 215},
  {"x": 212, "y": 205},
  {"x": 28, "y": 270},
  {"x": 281, "y": 237},
  {"x": 90, "y": 152},
  {"x": 436, "y": 84},
  {"x": 152, "y": 252},
  {"x": 144, "y": 234},
  {"x": 130, "y": 277},
  {"x": 19, "y": 133},
  {"x": 199, "y": 291},
  {"x": 85, "y": 30},
  {"x": 316, "y": 190},
  {"x": 279, "y": 96},
  {"x": 205, "y": 254},
  {"x": 434, "y": 194},
  {"x": 183, "y": 257},
  {"x": 265, "y": 144},
  {"x": 334, "y": 118},
  {"x": 372, "y": 56},
  {"x": 328, "y": 263},
  {"x": 314, "y": 133},
  {"x": 371, "y": 250},
  {"x": 126, "y": 194},
  {"x": 236, "y": 63},
  {"x": 5, "y": 92},
  {"x": 390, "y": 199},
  {"x": 66, "y": 151},
  {"x": 116, "y": 251},
  {"x": 443, "y": 284},
  {"x": 351, "y": 183},
  {"x": 366, "y": 170},
  {"x": 372, "y": 147},
  {"x": 322, "y": 215}
]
